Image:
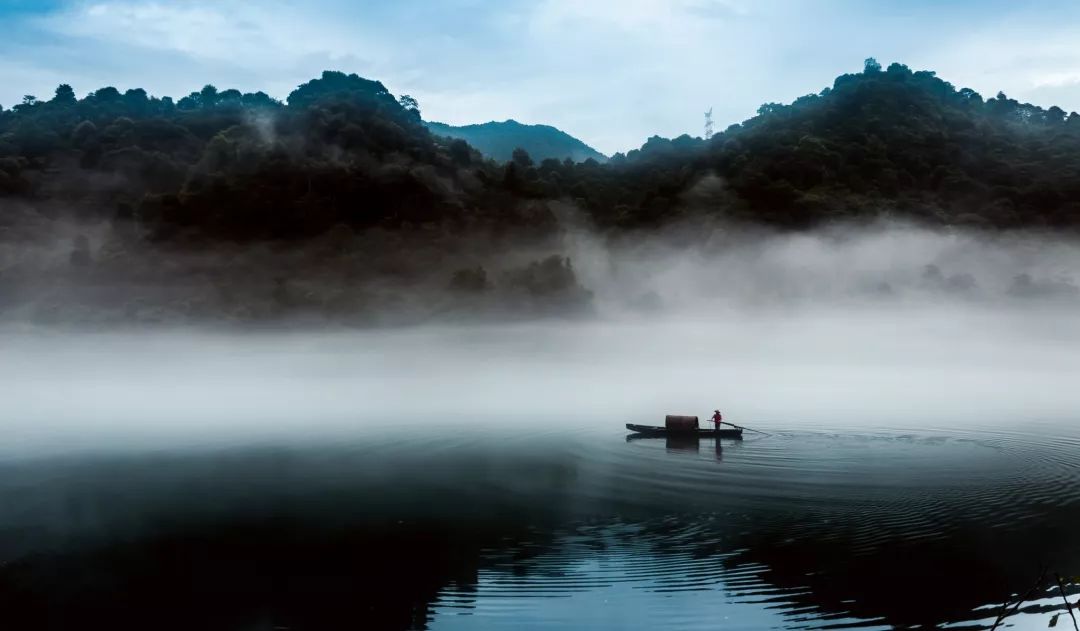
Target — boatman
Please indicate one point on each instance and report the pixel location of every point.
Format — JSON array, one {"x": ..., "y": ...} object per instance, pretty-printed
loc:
[{"x": 716, "y": 419}]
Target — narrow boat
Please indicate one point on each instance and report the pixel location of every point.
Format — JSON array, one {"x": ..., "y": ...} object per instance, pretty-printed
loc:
[{"x": 659, "y": 432}]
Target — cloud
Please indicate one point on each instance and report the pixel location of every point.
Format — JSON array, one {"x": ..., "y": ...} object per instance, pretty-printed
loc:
[
  {"x": 1056, "y": 79},
  {"x": 1032, "y": 57},
  {"x": 634, "y": 16},
  {"x": 227, "y": 32},
  {"x": 174, "y": 48},
  {"x": 231, "y": 38}
]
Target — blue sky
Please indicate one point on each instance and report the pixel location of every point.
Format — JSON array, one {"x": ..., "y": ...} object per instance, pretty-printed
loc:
[{"x": 612, "y": 72}]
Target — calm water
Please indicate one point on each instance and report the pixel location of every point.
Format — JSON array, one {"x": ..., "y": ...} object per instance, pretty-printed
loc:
[
  {"x": 925, "y": 465},
  {"x": 474, "y": 528}
]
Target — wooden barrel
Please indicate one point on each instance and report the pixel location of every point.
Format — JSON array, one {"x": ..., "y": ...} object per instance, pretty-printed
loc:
[{"x": 676, "y": 423}]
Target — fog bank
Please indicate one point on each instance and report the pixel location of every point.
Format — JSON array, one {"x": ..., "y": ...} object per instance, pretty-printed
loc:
[
  {"x": 700, "y": 267},
  {"x": 881, "y": 326},
  {"x": 827, "y": 369},
  {"x": 95, "y": 276}
]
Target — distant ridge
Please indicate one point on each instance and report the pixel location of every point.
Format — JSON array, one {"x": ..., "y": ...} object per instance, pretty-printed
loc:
[
  {"x": 498, "y": 140},
  {"x": 342, "y": 151}
]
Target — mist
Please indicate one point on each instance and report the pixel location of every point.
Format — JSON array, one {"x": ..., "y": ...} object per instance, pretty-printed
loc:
[
  {"x": 888, "y": 326},
  {"x": 97, "y": 275},
  {"x": 701, "y": 267}
]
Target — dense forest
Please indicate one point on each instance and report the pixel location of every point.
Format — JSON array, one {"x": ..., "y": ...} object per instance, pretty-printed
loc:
[
  {"x": 499, "y": 140},
  {"x": 217, "y": 189},
  {"x": 883, "y": 142},
  {"x": 343, "y": 150},
  {"x": 226, "y": 165}
]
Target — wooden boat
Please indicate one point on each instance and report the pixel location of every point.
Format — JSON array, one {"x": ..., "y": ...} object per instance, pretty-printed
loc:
[{"x": 660, "y": 432}]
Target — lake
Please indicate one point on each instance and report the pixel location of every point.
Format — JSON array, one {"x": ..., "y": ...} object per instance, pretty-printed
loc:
[{"x": 917, "y": 474}]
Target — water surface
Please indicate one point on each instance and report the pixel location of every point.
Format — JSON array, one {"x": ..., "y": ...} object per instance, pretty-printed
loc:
[
  {"x": 918, "y": 474},
  {"x": 802, "y": 529}
]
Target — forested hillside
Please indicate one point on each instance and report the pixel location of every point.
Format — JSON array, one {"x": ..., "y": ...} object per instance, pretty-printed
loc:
[
  {"x": 336, "y": 204},
  {"x": 499, "y": 140},
  {"x": 341, "y": 201},
  {"x": 221, "y": 164},
  {"x": 343, "y": 151},
  {"x": 896, "y": 142}
]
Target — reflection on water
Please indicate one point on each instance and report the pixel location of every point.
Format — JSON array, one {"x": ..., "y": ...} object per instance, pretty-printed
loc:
[
  {"x": 496, "y": 529},
  {"x": 691, "y": 444}
]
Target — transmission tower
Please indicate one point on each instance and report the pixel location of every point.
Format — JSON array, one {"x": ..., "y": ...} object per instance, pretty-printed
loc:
[{"x": 708, "y": 124}]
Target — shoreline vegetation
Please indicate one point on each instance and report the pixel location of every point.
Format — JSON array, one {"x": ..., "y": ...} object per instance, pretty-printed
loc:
[{"x": 339, "y": 203}]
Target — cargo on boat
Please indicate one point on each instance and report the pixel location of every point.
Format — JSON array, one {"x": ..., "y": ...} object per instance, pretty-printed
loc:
[{"x": 676, "y": 423}]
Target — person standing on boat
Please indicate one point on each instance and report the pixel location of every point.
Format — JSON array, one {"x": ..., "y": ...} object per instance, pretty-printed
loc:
[{"x": 717, "y": 419}]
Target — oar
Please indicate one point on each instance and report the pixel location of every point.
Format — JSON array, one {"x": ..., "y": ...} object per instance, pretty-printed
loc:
[{"x": 749, "y": 429}]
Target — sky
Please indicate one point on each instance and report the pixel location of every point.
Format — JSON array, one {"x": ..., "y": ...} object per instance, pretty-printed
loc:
[{"x": 611, "y": 72}]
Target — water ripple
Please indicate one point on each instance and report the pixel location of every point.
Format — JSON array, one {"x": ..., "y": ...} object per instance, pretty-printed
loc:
[{"x": 805, "y": 496}]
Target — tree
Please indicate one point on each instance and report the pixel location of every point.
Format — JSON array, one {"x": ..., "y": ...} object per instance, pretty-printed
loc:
[
  {"x": 766, "y": 108},
  {"x": 107, "y": 95},
  {"x": 460, "y": 152},
  {"x": 231, "y": 97},
  {"x": 1055, "y": 115},
  {"x": 410, "y": 105},
  {"x": 136, "y": 100},
  {"x": 258, "y": 100},
  {"x": 208, "y": 96},
  {"x": 28, "y": 102},
  {"x": 64, "y": 95},
  {"x": 511, "y": 178},
  {"x": 521, "y": 158},
  {"x": 897, "y": 70},
  {"x": 335, "y": 84},
  {"x": 871, "y": 66},
  {"x": 970, "y": 95}
]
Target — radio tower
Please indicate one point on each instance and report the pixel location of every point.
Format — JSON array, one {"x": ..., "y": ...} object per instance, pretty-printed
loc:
[{"x": 708, "y": 124}]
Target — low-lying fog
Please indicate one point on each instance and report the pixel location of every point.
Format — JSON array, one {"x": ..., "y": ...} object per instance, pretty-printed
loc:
[{"x": 890, "y": 328}]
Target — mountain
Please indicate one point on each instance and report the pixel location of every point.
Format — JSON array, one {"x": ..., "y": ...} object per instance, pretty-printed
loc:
[
  {"x": 498, "y": 141},
  {"x": 342, "y": 202},
  {"x": 343, "y": 152},
  {"x": 337, "y": 204},
  {"x": 883, "y": 142}
]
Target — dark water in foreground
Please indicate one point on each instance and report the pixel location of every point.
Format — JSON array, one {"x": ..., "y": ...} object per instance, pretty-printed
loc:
[{"x": 500, "y": 528}]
